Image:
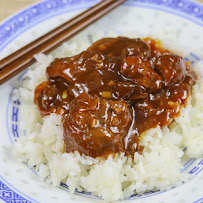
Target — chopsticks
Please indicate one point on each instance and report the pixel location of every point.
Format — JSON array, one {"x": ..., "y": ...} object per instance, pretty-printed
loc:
[{"x": 23, "y": 58}]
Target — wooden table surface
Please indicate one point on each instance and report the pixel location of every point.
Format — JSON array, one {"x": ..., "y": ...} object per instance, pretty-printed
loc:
[{"x": 9, "y": 7}]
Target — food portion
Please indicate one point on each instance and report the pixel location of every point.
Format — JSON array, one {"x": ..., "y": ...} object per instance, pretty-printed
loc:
[
  {"x": 115, "y": 120},
  {"x": 113, "y": 92},
  {"x": 95, "y": 126}
]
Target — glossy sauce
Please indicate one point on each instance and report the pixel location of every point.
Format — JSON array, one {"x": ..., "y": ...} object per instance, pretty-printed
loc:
[{"x": 113, "y": 92}]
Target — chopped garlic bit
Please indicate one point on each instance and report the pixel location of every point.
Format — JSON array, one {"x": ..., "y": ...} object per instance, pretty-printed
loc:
[
  {"x": 170, "y": 103},
  {"x": 94, "y": 58},
  {"x": 64, "y": 94},
  {"x": 173, "y": 103},
  {"x": 111, "y": 83},
  {"x": 189, "y": 63},
  {"x": 106, "y": 94},
  {"x": 64, "y": 148},
  {"x": 99, "y": 61},
  {"x": 102, "y": 47}
]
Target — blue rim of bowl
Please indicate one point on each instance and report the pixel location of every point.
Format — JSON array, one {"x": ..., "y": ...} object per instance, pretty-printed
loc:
[{"x": 24, "y": 20}]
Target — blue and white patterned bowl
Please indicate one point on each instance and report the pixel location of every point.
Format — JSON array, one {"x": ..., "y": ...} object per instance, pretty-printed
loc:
[{"x": 17, "y": 182}]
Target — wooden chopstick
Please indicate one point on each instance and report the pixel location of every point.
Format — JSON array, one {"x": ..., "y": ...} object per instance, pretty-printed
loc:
[{"x": 23, "y": 58}]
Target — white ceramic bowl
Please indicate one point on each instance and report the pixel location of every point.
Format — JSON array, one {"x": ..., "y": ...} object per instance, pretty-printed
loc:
[{"x": 18, "y": 183}]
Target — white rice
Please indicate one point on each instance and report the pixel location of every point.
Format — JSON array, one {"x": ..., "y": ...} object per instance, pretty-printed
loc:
[{"x": 158, "y": 168}]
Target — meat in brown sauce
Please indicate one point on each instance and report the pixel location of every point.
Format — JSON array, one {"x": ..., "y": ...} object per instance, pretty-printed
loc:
[
  {"x": 95, "y": 126},
  {"x": 113, "y": 92}
]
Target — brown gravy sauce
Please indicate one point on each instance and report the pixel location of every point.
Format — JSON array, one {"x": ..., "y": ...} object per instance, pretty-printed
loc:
[{"x": 113, "y": 92}]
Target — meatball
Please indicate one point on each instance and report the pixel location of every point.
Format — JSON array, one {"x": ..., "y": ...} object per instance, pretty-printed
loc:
[
  {"x": 172, "y": 68},
  {"x": 142, "y": 73},
  {"x": 122, "y": 46},
  {"x": 86, "y": 72},
  {"x": 71, "y": 68},
  {"x": 96, "y": 126},
  {"x": 53, "y": 97}
]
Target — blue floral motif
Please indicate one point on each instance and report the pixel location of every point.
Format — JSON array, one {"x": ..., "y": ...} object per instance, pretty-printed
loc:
[
  {"x": 199, "y": 201},
  {"x": 8, "y": 195},
  {"x": 192, "y": 10}
]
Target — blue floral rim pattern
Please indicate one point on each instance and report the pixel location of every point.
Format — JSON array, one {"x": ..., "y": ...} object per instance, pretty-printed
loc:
[
  {"x": 35, "y": 14},
  {"x": 7, "y": 194}
]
